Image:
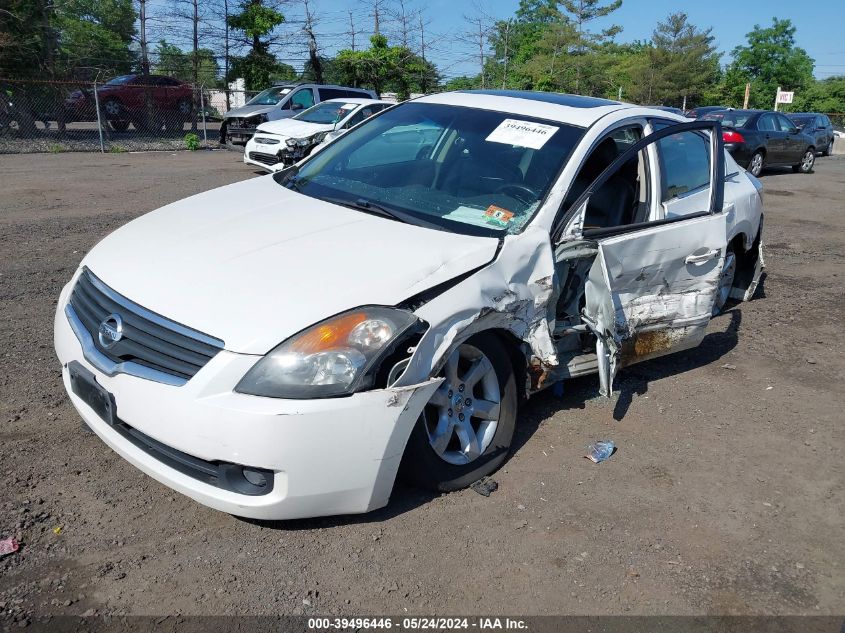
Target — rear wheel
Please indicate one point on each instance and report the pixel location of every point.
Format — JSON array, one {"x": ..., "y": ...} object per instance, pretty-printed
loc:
[
  {"x": 466, "y": 429},
  {"x": 829, "y": 149},
  {"x": 807, "y": 162},
  {"x": 755, "y": 165},
  {"x": 119, "y": 125}
]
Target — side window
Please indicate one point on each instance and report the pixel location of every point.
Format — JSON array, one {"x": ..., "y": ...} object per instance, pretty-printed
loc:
[
  {"x": 302, "y": 99},
  {"x": 624, "y": 197},
  {"x": 397, "y": 145},
  {"x": 331, "y": 93},
  {"x": 355, "y": 120},
  {"x": 684, "y": 164},
  {"x": 766, "y": 123},
  {"x": 357, "y": 94},
  {"x": 784, "y": 124}
]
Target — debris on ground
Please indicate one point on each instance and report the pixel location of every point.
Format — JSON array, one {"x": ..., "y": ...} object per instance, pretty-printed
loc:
[
  {"x": 485, "y": 486},
  {"x": 728, "y": 366},
  {"x": 8, "y": 546},
  {"x": 600, "y": 451}
]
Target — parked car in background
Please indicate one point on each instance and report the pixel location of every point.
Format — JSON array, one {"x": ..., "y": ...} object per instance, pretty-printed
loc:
[
  {"x": 281, "y": 347},
  {"x": 697, "y": 113},
  {"x": 667, "y": 109},
  {"x": 148, "y": 102},
  {"x": 280, "y": 102},
  {"x": 818, "y": 126},
  {"x": 281, "y": 143},
  {"x": 761, "y": 138}
]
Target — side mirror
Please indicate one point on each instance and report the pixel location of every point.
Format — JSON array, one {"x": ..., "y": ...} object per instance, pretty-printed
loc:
[{"x": 297, "y": 106}]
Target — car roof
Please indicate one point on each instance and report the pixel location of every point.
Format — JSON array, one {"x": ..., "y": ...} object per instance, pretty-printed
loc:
[
  {"x": 565, "y": 108},
  {"x": 802, "y": 113},
  {"x": 357, "y": 100}
]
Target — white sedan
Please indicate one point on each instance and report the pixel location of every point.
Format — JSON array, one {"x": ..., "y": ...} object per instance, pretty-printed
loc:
[
  {"x": 278, "y": 144},
  {"x": 283, "y": 347}
]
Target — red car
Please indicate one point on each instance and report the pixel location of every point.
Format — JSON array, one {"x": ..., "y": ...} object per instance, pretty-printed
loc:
[{"x": 145, "y": 101}]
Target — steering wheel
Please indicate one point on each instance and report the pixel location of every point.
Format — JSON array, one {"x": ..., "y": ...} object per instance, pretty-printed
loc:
[{"x": 520, "y": 192}]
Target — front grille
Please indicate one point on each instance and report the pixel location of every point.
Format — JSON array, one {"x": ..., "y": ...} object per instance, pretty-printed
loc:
[
  {"x": 148, "y": 340},
  {"x": 267, "y": 159}
]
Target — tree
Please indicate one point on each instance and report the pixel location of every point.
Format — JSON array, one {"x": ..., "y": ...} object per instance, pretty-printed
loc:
[
  {"x": 770, "y": 59},
  {"x": 257, "y": 21},
  {"x": 827, "y": 95},
  {"x": 175, "y": 62},
  {"x": 26, "y": 38},
  {"x": 581, "y": 13},
  {"x": 95, "y": 34},
  {"x": 383, "y": 67}
]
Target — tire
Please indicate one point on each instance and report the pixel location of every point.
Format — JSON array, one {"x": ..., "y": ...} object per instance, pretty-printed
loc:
[
  {"x": 807, "y": 162},
  {"x": 439, "y": 455},
  {"x": 726, "y": 281},
  {"x": 756, "y": 163},
  {"x": 829, "y": 149},
  {"x": 119, "y": 125},
  {"x": 184, "y": 108},
  {"x": 113, "y": 109}
]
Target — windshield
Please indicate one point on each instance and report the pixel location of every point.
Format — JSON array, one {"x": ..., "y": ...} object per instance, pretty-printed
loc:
[
  {"x": 271, "y": 96},
  {"x": 460, "y": 169},
  {"x": 326, "y": 112},
  {"x": 119, "y": 81},
  {"x": 729, "y": 118}
]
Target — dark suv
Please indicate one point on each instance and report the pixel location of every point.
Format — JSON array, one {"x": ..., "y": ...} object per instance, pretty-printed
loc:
[
  {"x": 145, "y": 101},
  {"x": 818, "y": 126}
]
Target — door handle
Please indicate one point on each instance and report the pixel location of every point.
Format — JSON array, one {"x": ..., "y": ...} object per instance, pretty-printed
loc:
[{"x": 704, "y": 257}]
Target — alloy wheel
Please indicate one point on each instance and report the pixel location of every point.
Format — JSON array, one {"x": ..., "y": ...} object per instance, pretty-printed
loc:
[
  {"x": 808, "y": 160},
  {"x": 756, "y": 165},
  {"x": 462, "y": 416},
  {"x": 112, "y": 108}
]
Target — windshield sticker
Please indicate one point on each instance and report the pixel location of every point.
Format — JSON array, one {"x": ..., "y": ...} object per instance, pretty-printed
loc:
[
  {"x": 522, "y": 133},
  {"x": 469, "y": 215},
  {"x": 498, "y": 216}
]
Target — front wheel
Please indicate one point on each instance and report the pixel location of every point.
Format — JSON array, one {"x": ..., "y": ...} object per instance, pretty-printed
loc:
[
  {"x": 807, "y": 162},
  {"x": 466, "y": 429}
]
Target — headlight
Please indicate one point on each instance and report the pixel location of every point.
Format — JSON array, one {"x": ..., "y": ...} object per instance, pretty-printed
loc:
[
  {"x": 319, "y": 137},
  {"x": 302, "y": 142},
  {"x": 335, "y": 357},
  {"x": 261, "y": 118},
  {"x": 291, "y": 142}
]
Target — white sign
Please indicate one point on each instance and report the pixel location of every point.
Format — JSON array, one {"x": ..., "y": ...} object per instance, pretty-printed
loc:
[
  {"x": 785, "y": 97},
  {"x": 522, "y": 133}
]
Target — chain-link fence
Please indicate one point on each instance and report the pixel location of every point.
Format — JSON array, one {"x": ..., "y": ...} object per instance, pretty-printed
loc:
[{"x": 129, "y": 113}]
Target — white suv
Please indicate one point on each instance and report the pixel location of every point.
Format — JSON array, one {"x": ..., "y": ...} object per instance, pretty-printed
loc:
[{"x": 279, "y": 347}]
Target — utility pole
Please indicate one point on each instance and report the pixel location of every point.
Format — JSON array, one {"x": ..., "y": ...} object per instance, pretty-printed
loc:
[
  {"x": 505, "y": 74},
  {"x": 424, "y": 81},
  {"x": 142, "y": 18},
  {"x": 352, "y": 29},
  {"x": 226, "y": 52}
]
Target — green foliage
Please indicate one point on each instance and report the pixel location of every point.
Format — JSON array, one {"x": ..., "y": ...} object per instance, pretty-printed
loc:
[
  {"x": 770, "y": 59},
  {"x": 94, "y": 33},
  {"x": 192, "y": 141},
  {"x": 827, "y": 95},
  {"x": 258, "y": 67},
  {"x": 386, "y": 68},
  {"x": 175, "y": 62},
  {"x": 23, "y": 42}
]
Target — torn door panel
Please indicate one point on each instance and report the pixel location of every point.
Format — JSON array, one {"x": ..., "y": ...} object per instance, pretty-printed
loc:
[
  {"x": 513, "y": 293},
  {"x": 651, "y": 292}
]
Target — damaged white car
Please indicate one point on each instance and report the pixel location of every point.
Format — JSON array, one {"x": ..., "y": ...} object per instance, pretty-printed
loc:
[{"x": 283, "y": 347}]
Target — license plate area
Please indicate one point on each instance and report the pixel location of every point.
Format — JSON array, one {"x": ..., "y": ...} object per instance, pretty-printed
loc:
[{"x": 84, "y": 384}]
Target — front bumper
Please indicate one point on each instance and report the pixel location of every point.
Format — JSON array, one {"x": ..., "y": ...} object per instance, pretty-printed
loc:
[{"x": 328, "y": 456}]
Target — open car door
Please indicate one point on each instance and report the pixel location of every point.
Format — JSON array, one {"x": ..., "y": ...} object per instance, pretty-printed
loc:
[{"x": 652, "y": 286}]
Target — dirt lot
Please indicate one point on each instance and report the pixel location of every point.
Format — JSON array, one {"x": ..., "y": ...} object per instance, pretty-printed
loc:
[{"x": 726, "y": 495}]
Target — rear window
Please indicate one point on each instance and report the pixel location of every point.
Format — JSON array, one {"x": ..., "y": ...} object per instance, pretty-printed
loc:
[{"x": 729, "y": 118}]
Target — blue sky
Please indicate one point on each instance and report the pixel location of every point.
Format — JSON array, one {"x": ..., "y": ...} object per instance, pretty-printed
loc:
[{"x": 820, "y": 24}]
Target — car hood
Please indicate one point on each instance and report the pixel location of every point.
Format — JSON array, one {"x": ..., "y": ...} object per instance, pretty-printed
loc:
[
  {"x": 248, "y": 111},
  {"x": 291, "y": 128},
  {"x": 253, "y": 263}
]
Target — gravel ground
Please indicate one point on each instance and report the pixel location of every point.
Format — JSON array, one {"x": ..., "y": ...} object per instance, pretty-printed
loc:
[{"x": 725, "y": 495}]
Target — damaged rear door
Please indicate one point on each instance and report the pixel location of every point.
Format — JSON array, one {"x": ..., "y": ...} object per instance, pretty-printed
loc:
[{"x": 652, "y": 286}]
